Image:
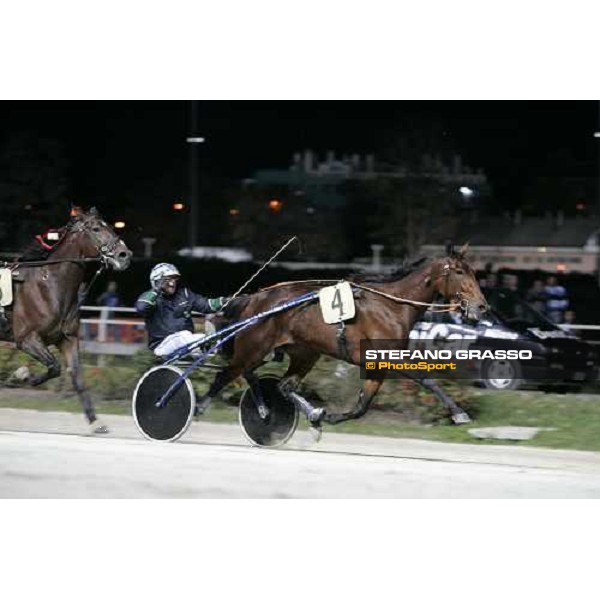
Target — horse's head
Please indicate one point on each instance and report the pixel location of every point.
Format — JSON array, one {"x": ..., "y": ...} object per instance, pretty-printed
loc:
[
  {"x": 98, "y": 239},
  {"x": 453, "y": 278}
]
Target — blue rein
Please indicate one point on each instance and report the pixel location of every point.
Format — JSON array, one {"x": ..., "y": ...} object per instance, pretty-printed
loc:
[{"x": 225, "y": 334}]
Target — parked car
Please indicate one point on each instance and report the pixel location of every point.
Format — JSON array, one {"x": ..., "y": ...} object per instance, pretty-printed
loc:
[{"x": 559, "y": 357}]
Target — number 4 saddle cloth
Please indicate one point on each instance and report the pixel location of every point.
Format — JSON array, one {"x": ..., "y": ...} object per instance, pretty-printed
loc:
[{"x": 337, "y": 303}]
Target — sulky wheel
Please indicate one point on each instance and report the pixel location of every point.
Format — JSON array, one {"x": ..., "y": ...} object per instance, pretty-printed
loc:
[
  {"x": 170, "y": 422},
  {"x": 280, "y": 423}
]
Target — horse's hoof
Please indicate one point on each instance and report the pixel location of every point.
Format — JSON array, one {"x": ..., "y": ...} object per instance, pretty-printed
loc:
[
  {"x": 316, "y": 415},
  {"x": 98, "y": 427},
  {"x": 461, "y": 418},
  {"x": 315, "y": 434},
  {"x": 22, "y": 374},
  {"x": 201, "y": 408}
]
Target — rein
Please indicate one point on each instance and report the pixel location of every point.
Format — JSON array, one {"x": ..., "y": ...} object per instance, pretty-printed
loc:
[
  {"x": 43, "y": 263},
  {"x": 441, "y": 308},
  {"x": 438, "y": 308},
  {"x": 84, "y": 293}
]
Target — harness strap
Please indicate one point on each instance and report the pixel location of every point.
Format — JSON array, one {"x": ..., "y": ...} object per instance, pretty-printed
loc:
[
  {"x": 441, "y": 307},
  {"x": 342, "y": 342},
  {"x": 6, "y": 320},
  {"x": 44, "y": 263},
  {"x": 84, "y": 293}
]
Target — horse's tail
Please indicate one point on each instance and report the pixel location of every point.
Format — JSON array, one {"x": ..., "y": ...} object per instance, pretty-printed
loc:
[
  {"x": 231, "y": 313},
  {"x": 234, "y": 309}
]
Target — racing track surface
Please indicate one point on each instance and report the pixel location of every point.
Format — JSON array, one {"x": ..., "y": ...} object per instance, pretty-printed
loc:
[{"x": 45, "y": 455}]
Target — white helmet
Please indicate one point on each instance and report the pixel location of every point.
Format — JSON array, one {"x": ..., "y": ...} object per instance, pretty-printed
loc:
[{"x": 159, "y": 272}]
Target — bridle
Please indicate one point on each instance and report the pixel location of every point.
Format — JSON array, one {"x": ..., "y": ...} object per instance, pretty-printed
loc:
[
  {"x": 105, "y": 250},
  {"x": 462, "y": 302}
]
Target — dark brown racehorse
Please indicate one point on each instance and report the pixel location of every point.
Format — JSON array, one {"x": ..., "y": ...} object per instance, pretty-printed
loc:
[
  {"x": 45, "y": 310},
  {"x": 387, "y": 311}
]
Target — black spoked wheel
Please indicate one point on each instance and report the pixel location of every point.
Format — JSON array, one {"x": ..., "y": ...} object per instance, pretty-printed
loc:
[
  {"x": 278, "y": 426},
  {"x": 170, "y": 422}
]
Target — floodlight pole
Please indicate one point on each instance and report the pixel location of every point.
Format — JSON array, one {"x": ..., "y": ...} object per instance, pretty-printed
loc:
[
  {"x": 597, "y": 136},
  {"x": 193, "y": 140}
]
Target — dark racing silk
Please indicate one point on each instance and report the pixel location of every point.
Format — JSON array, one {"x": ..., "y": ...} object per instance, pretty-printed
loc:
[{"x": 165, "y": 315}]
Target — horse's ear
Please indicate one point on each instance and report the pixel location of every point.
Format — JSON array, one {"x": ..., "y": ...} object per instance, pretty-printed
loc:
[
  {"x": 463, "y": 251},
  {"x": 449, "y": 248},
  {"x": 76, "y": 211},
  {"x": 93, "y": 211}
]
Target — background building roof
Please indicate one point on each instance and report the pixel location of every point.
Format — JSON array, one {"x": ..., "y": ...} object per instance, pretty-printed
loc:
[{"x": 531, "y": 231}]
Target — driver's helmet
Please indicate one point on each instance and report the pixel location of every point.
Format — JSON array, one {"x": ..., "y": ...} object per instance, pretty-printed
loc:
[{"x": 159, "y": 272}]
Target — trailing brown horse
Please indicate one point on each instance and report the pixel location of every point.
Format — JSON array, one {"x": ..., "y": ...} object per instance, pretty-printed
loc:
[
  {"x": 45, "y": 310},
  {"x": 386, "y": 308}
]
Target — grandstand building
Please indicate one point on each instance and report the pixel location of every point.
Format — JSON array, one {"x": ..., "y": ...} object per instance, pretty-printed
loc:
[{"x": 552, "y": 243}]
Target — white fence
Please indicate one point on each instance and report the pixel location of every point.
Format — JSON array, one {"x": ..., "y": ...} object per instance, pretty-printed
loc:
[
  {"x": 115, "y": 331},
  {"x": 109, "y": 333},
  {"x": 576, "y": 327}
]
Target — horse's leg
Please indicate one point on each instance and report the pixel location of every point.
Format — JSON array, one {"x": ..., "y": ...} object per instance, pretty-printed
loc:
[
  {"x": 35, "y": 347},
  {"x": 365, "y": 397},
  {"x": 254, "y": 383},
  {"x": 457, "y": 414},
  {"x": 69, "y": 348},
  {"x": 227, "y": 375},
  {"x": 301, "y": 362},
  {"x": 223, "y": 378}
]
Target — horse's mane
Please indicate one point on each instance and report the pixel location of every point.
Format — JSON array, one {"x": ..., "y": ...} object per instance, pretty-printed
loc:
[
  {"x": 34, "y": 251},
  {"x": 403, "y": 270},
  {"x": 237, "y": 305}
]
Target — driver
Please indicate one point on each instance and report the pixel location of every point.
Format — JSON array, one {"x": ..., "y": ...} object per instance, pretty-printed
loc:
[{"x": 167, "y": 310}]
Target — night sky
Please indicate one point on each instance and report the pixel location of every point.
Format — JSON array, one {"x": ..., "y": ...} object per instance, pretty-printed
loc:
[{"x": 112, "y": 145}]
